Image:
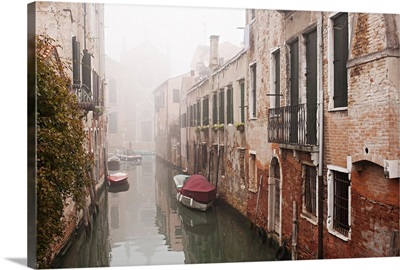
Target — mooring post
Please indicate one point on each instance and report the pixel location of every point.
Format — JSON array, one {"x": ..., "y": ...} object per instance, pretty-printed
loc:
[{"x": 294, "y": 232}]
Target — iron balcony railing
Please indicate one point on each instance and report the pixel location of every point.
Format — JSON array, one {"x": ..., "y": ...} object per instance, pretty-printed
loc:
[
  {"x": 295, "y": 125},
  {"x": 84, "y": 97}
]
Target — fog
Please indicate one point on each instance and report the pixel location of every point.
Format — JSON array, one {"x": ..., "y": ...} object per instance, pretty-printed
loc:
[{"x": 175, "y": 31}]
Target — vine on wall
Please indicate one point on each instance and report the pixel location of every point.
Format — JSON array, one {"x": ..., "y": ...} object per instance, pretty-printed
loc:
[{"x": 62, "y": 162}]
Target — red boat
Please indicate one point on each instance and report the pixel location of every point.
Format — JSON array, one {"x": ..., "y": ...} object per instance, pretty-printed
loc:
[
  {"x": 195, "y": 191},
  {"x": 117, "y": 178}
]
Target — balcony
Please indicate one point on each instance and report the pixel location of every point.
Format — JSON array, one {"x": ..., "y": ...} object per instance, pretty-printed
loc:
[
  {"x": 294, "y": 127},
  {"x": 84, "y": 97}
]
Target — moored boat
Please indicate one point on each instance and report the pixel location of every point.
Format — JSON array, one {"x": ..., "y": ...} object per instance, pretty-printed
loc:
[
  {"x": 194, "y": 191},
  {"x": 114, "y": 163},
  {"x": 117, "y": 178},
  {"x": 129, "y": 155}
]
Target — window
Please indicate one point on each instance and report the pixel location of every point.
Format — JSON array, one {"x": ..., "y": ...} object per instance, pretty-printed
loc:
[
  {"x": 175, "y": 97},
  {"x": 310, "y": 190},
  {"x": 311, "y": 84},
  {"x": 205, "y": 111},
  {"x": 76, "y": 68},
  {"x": 339, "y": 202},
  {"x": 242, "y": 118},
  {"x": 215, "y": 109},
  {"x": 87, "y": 70},
  {"x": 198, "y": 113},
  {"x": 112, "y": 95},
  {"x": 221, "y": 119},
  {"x": 276, "y": 79},
  {"x": 192, "y": 124},
  {"x": 294, "y": 91},
  {"x": 229, "y": 104},
  {"x": 183, "y": 120},
  {"x": 253, "y": 94},
  {"x": 340, "y": 56},
  {"x": 113, "y": 123},
  {"x": 252, "y": 172}
]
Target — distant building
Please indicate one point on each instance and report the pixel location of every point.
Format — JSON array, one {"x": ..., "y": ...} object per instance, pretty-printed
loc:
[
  {"x": 173, "y": 142},
  {"x": 143, "y": 69},
  {"x": 167, "y": 98}
]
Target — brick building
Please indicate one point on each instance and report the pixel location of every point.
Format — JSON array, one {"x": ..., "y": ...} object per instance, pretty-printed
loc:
[
  {"x": 78, "y": 33},
  {"x": 318, "y": 162}
]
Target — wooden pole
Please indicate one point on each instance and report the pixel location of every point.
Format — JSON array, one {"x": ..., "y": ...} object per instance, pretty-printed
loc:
[{"x": 294, "y": 232}]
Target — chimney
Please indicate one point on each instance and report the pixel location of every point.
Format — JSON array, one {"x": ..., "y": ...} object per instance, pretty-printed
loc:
[{"x": 213, "y": 52}]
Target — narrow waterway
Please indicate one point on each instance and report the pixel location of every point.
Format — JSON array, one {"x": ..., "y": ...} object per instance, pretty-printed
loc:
[{"x": 142, "y": 224}]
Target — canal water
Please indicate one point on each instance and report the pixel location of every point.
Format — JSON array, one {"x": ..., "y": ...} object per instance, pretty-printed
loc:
[{"x": 142, "y": 224}]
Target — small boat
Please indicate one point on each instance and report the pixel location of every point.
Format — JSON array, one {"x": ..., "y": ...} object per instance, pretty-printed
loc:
[
  {"x": 194, "y": 191},
  {"x": 144, "y": 152},
  {"x": 117, "y": 178},
  {"x": 114, "y": 163},
  {"x": 129, "y": 155}
]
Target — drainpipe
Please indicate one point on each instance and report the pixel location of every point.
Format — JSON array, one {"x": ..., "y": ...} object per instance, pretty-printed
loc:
[{"x": 321, "y": 140}]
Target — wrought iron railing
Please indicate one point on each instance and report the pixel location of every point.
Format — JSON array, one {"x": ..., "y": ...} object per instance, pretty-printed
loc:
[
  {"x": 84, "y": 97},
  {"x": 296, "y": 125}
]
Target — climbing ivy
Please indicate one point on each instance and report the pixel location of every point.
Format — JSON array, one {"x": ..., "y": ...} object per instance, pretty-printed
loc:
[{"x": 62, "y": 162}]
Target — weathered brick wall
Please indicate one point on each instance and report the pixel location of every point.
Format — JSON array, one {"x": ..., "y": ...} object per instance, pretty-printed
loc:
[
  {"x": 266, "y": 34},
  {"x": 375, "y": 211},
  {"x": 367, "y": 132}
]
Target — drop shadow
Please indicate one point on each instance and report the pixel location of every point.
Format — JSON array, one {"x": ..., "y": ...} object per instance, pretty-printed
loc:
[{"x": 21, "y": 261}]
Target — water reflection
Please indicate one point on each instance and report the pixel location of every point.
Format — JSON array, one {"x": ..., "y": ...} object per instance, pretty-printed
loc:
[
  {"x": 92, "y": 249},
  {"x": 148, "y": 227}
]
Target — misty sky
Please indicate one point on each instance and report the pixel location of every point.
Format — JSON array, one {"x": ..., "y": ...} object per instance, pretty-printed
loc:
[{"x": 175, "y": 31}]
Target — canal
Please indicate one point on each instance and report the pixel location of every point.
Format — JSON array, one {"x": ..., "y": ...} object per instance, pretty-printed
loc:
[{"x": 142, "y": 224}]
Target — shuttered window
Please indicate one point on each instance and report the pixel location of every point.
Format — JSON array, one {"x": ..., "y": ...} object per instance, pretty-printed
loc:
[
  {"x": 277, "y": 79},
  {"x": 221, "y": 119},
  {"x": 229, "y": 104},
  {"x": 205, "y": 111},
  {"x": 341, "y": 40},
  {"x": 76, "y": 68},
  {"x": 198, "y": 113},
  {"x": 294, "y": 90},
  {"x": 253, "y": 70},
  {"x": 215, "y": 109},
  {"x": 242, "y": 118},
  {"x": 87, "y": 70},
  {"x": 310, "y": 190},
  {"x": 311, "y": 82}
]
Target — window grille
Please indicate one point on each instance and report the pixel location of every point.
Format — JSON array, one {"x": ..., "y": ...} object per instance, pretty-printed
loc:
[{"x": 341, "y": 184}]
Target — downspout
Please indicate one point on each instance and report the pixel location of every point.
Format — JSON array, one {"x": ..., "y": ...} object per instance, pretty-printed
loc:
[{"x": 321, "y": 140}]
